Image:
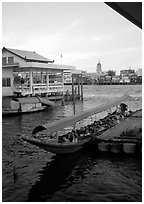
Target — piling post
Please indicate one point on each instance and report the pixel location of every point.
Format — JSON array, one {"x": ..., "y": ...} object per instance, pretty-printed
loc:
[
  {"x": 63, "y": 96},
  {"x": 81, "y": 87},
  {"x": 73, "y": 94},
  {"x": 72, "y": 86},
  {"x": 78, "y": 86}
]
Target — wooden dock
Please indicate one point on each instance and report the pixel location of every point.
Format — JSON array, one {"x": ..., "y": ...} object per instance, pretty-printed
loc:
[{"x": 125, "y": 125}]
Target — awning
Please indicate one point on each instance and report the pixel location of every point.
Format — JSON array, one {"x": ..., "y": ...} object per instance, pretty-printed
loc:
[
  {"x": 132, "y": 11},
  {"x": 68, "y": 121}
]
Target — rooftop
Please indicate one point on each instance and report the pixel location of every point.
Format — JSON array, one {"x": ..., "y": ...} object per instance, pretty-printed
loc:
[{"x": 28, "y": 55}]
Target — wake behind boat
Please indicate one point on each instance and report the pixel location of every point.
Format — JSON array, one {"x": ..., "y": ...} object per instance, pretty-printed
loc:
[{"x": 55, "y": 138}]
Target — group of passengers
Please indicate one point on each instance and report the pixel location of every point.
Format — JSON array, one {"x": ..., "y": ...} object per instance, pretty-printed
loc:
[{"x": 97, "y": 126}]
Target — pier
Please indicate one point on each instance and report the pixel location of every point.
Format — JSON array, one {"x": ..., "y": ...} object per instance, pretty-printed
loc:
[
  {"x": 77, "y": 89},
  {"x": 125, "y": 137}
]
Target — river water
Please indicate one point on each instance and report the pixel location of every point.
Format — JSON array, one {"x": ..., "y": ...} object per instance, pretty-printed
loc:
[{"x": 34, "y": 175}]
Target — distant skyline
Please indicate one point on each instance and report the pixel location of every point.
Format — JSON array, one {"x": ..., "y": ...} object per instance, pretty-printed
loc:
[{"x": 83, "y": 33}]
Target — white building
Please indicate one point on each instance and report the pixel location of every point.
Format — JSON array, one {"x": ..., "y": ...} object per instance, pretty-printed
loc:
[
  {"x": 29, "y": 73},
  {"x": 139, "y": 72}
]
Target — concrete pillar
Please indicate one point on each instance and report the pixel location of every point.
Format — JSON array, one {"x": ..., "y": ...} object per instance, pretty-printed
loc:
[
  {"x": 47, "y": 80},
  {"x": 81, "y": 88},
  {"x": 42, "y": 77}
]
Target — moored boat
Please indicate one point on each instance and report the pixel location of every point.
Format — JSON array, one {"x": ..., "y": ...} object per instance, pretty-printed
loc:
[
  {"x": 82, "y": 137},
  {"x": 12, "y": 106}
]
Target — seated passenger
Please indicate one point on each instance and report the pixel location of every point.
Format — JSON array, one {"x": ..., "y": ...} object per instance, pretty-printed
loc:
[
  {"x": 86, "y": 131},
  {"x": 77, "y": 135},
  {"x": 70, "y": 136},
  {"x": 124, "y": 108},
  {"x": 74, "y": 135},
  {"x": 61, "y": 139}
]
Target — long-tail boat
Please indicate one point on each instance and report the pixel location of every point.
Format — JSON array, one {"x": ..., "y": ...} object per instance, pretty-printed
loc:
[{"x": 54, "y": 146}]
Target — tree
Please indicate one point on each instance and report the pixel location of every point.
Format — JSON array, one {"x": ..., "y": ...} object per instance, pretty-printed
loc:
[{"x": 111, "y": 73}]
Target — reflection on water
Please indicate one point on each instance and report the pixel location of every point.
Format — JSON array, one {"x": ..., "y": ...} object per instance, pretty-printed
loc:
[
  {"x": 58, "y": 175},
  {"x": 31, "y": 174},
  {"x": 86, "y": 177}
]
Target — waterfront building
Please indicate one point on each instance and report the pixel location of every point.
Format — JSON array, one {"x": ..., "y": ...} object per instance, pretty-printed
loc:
[
  {"x": 28, "y": 73},
  {"x": 125, "y": 79},
  {"x": 139, "y": 72},
  {"x": 127, "y": 72}
]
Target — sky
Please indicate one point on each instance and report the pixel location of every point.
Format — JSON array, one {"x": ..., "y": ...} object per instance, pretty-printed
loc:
[{"x": 83, "y": 33}]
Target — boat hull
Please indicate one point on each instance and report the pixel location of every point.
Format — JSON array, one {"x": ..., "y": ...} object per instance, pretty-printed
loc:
[
  {"x": 59, "y": 148},
  {"x": 15, "y": 112}
]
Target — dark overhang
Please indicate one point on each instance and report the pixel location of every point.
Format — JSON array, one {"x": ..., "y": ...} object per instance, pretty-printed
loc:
[{"x": 132, "y": 11}]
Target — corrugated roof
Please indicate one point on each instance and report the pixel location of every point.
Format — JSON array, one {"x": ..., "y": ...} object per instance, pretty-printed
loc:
[
  {"x": 28, "y": 100},
  {"x": 28, "y": 55}
]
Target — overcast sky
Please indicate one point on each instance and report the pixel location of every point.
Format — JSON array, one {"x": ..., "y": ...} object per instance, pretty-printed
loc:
[{"x": 82, "y": 32}]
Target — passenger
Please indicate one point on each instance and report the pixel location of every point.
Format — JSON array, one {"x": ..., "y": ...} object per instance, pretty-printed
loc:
[
  {"x": 70, "y": 137},
  {"x": 114, "y": 122},
  {"x": 124, "y": 108},
  {"x": 82, "y": 130},
  {"x": 118, "y": 109},
  {"x": 95, "y": 123},
  {"x": 92, "y": 130},
  {"x": 86, "y": 133},
  {"x": 106, "y": 126},
  {"x": 88, "y": 126},
  {"x": 61, "y": 139},
  {"x": 74, "y": 135},
  {"x": 130, "y": 113},
  {"x": 65, "y": 137}
]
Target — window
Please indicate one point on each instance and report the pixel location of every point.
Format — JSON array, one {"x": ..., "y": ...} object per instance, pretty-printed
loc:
[
  {"x": 39, "y": 77},
  {"x": 6, "y": 82},
  {"x": 4, "y": 60},
  {"x": 10, "y": 60}
]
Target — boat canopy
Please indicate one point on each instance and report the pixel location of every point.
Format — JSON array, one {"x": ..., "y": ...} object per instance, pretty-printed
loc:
[{"x": 68, "y": 121}]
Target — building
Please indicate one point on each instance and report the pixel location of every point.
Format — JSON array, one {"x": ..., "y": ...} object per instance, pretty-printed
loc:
[
  {"x": 99, "y": 70},
  {"x": 28, "y": 73},
  {"x": 125, "y": 79},
  {"x": 127, "y": 72},
  {"x": 139, "y": 72}
]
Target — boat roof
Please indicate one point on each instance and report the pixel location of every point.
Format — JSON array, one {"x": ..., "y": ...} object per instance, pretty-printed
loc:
[
  {"x": 27, "y": 100},
  {"x": 68, "y": 121}
]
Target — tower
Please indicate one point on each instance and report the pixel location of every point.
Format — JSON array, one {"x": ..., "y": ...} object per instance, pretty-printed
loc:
[{"x": 98, "y": 70}]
